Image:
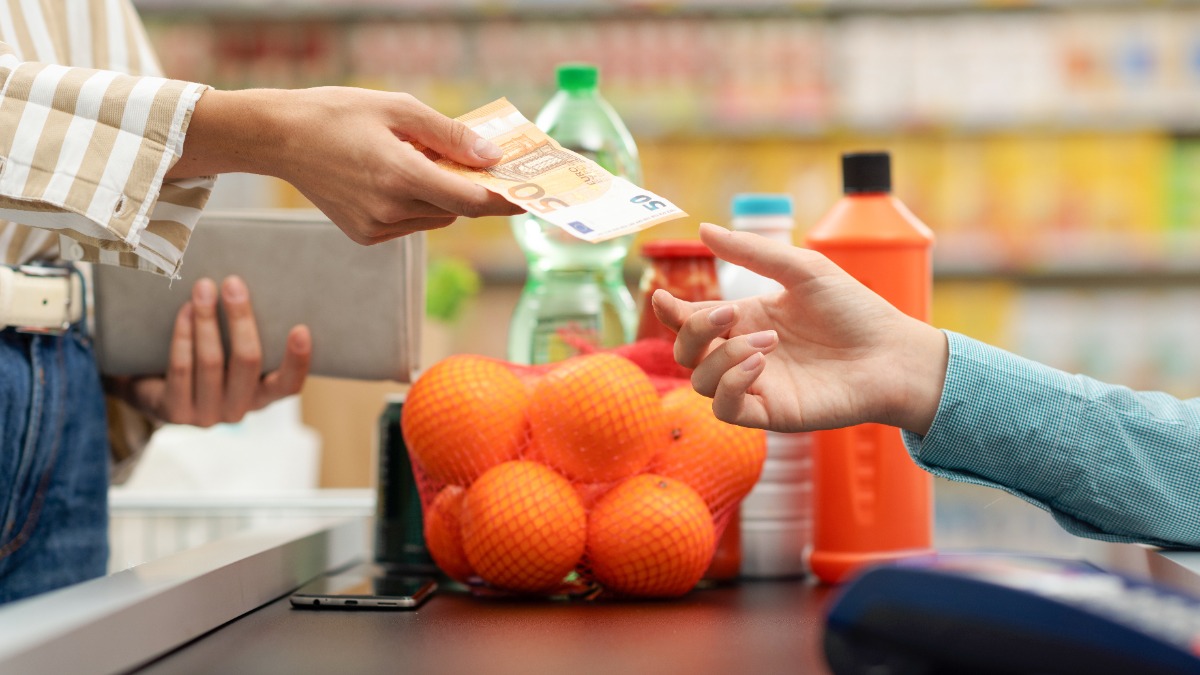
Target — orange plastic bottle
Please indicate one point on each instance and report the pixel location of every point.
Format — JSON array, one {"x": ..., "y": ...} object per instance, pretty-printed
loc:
[{"x": 871, "y": 502}]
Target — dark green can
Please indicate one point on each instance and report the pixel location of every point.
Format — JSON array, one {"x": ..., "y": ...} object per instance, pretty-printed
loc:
[{"x": 399, "y": 528}]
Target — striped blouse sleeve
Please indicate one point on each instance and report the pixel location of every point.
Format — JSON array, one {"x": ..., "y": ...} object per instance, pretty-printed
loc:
[
  {"x": 85, "y": 152},
  {"x": 1107, "y": 462}
]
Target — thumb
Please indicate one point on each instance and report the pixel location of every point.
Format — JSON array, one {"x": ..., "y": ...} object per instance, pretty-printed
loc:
[
  {"x": 672, "y": 312},
  {"x": 445, "y": 136},
  {"x": 667, "y": 309},
  {"x": 789, "y": 265}
]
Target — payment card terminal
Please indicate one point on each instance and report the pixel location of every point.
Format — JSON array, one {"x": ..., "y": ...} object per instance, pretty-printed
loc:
[{"x": 998, "y": 614}]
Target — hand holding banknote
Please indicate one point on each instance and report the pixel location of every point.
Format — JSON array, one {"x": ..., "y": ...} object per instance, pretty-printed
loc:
[
  {"x": 367, "y": 159},
  {"x": 556, "y": 184},
  {"x": 349, "y": 151}
]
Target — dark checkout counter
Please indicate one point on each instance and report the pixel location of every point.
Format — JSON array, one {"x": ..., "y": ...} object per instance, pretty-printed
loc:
[{"x": 224, "y": 608}]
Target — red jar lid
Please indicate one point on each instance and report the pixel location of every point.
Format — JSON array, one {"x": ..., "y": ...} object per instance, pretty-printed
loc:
[{"x": 676, "y": 248}]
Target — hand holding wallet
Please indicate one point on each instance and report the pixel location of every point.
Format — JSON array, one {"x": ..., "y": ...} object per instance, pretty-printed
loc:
[{"x": 363, "y": 305}]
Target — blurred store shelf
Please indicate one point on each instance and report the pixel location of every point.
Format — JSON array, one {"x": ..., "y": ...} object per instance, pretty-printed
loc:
[
  {"x": 483, "y": 9},
  {"x": 734, "y": 75}
]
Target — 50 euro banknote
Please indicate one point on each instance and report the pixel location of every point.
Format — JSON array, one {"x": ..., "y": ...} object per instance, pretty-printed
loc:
[{"x": 557, "y": 184}]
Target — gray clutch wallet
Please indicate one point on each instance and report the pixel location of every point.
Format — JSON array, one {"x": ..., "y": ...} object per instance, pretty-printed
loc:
[{"x": 363, "y": 304}]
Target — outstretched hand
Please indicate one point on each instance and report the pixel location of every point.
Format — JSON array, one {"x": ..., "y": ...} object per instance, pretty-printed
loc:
[
  {"x": 823, "y": 353},
  {"x": 352, "y": 152}
]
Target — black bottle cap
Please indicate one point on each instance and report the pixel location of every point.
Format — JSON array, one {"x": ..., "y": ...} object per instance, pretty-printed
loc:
[{"x": 866, "y": 172}]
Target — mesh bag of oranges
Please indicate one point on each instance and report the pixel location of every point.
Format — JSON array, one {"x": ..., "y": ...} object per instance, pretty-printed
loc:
[{"x": 587, "y": 477}]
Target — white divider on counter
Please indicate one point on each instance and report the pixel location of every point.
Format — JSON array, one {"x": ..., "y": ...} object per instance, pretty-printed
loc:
[
  {"x": 116, "y": 623},
  {"x": 146, "y": 525}
]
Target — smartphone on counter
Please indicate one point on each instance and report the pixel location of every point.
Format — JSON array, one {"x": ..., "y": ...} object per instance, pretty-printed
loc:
[{"x": 364, "y": 586}]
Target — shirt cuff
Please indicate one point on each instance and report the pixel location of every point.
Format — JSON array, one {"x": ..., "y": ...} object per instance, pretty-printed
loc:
[{"x": 164, "y": 240}]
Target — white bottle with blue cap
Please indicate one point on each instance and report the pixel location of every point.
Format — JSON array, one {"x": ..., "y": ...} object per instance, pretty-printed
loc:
[
  {"x": 768, "y": 215},
  {"x": 776, "y": 517}
]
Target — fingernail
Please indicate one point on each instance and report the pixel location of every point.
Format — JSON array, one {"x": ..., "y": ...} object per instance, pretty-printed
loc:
[
  {"x": 721, "y": 315},
  {"x": 234, "y": 290},
  {"x": 487, "y": 149},
  {"x": 206, "y": 291},
  {"x": 298, "y": 340},
  {"x": 752, "y": 362},
  {"x": 761, "y": 340}
]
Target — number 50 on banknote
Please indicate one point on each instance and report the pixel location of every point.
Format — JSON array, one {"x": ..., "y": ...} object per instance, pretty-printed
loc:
[{"x": 557, "y": 184}]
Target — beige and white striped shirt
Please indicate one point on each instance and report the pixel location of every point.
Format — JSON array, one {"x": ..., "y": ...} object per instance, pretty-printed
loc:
[{"x": 88, "y": 130}]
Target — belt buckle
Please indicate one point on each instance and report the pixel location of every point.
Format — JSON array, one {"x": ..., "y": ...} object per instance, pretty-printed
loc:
[{"x": 49, "y": 271}]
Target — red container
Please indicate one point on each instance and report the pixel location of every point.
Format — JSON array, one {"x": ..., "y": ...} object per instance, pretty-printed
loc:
[{"x": 686, "y": 268}]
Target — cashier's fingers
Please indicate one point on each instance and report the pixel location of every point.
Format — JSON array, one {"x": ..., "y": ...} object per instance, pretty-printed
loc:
[
  {"x": 244, "y": 365},
  {"x": 209, "y": 355},
  {"x": 672, "y": 311},
  {"x": 733, "y": 402},
  {"x": 702, "y": 332},
  {"x": 289, "y": 377},
  {"x": 445, "y": 136},
  {"x": 709, "y": 374},
  {"x": 784, "y": 263},
  {"x": 428, "y": 182}
]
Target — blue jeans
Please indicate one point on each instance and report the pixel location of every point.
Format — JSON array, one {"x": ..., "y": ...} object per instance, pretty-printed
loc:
[{"x": 53, "y": 463}]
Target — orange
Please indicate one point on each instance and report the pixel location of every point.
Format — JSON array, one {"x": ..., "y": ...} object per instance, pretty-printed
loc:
[
  {"x": 463, "y": 416},
  {"x": 721, "y": 461},
  {"x": 651, "y": 536},
  {"x": 596, "y": 418},
  {"x": 523, "y": 527},
  {"x": 443, "y": 533}
]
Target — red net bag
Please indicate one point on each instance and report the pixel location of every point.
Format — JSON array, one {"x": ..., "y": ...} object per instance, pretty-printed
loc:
[{"x": 602, "y": 474}]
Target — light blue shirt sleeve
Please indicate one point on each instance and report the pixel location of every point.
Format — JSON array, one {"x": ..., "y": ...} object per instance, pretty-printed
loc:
[{"x": 1109, "y": 463}]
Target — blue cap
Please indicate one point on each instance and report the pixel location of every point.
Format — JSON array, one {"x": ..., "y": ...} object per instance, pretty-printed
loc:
[{"x": 750, "y": 204}]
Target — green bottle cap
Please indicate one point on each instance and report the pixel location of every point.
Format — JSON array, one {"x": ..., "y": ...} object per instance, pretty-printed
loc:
[{"x": 578, "y": 76}]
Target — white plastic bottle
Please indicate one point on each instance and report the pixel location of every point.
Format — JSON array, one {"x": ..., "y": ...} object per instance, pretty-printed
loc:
[
  {"x": 777, "y": 514},
  {"x": 573, "y": 285},
  {"x": 769, "y": 215}
]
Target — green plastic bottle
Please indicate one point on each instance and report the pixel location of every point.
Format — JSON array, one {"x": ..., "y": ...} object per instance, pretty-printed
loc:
[{"x": 575, "y": 291}]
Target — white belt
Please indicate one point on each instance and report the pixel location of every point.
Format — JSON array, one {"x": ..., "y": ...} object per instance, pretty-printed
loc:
[{"x": 40, "y": 299}]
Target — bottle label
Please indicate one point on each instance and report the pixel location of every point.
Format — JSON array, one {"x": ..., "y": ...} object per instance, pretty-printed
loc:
[{"x": 560, "y": 337}]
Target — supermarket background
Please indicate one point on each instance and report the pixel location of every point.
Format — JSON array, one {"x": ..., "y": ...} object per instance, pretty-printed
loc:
[{"x": 1053, "y": 147}]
